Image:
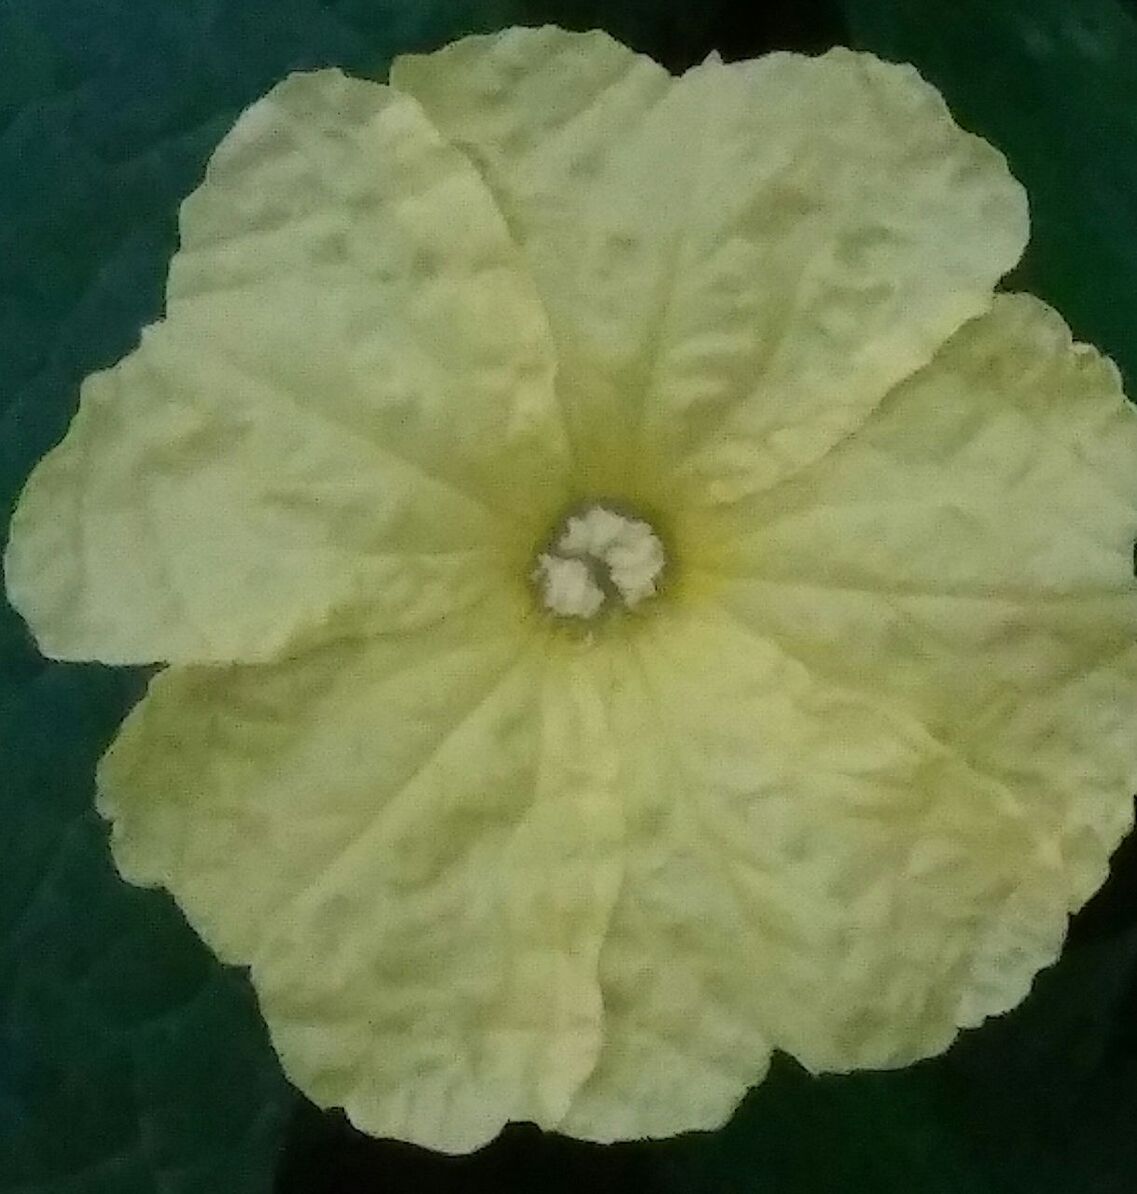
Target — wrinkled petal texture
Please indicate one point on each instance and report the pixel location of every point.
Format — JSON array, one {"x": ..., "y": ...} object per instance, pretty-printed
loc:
[
  {"x": 884, "y": 747},
  {"x": 737, "y": 264},
  {"x": 415, "y": 843},
  {"x": 329, "y": 429},
  {"x": 968, "y": 557},
  {"x": 834, "y": 792},
  {"x": 807, "y": 869}
]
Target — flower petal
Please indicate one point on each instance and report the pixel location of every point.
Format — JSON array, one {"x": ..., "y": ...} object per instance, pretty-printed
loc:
[
  {"x": 347, "y": 413},
  {"x": 682, "y": 1041},
  {"x": 807, "y": 870},
  {"x": 737, "y": 264},
  {"x": 414, "y": 842},
  {"x": 968, "y": 557}
]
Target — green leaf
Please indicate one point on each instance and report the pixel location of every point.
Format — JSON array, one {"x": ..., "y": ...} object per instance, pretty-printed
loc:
[{"x": 130, "y": 1060}]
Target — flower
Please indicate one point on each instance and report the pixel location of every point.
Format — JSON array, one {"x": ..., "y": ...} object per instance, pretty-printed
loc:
[{"x": 634, "y": 597}]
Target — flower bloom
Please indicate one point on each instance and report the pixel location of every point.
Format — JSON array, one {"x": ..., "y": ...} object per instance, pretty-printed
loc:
[{"x": 635, "y": 598}]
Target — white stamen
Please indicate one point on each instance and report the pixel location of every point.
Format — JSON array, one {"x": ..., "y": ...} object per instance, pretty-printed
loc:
[
  {"x": 626, "y": 549},
  {"x": 569, "y": 589}
]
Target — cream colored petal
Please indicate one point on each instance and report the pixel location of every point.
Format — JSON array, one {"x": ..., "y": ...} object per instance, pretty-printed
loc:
[
  {"x": 346, "y": 420},
  {"x": 807, "y": 870},
  {"x": 682, "y": 1038},
  {"x": 414, "y": 843},
  {"x": 968, "y": 556},
  {"x": 737, "y": 264}
]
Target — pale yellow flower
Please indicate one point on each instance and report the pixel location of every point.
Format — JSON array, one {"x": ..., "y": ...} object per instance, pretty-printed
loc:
[{"x": 635, "y": 598}]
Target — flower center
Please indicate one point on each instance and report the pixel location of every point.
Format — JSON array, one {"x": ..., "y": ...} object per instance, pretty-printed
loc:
[{"x": 599, "y": 559}]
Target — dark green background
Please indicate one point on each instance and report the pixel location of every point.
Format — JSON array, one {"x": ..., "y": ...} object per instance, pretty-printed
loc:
[{"x": 130, "y": 1062}]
